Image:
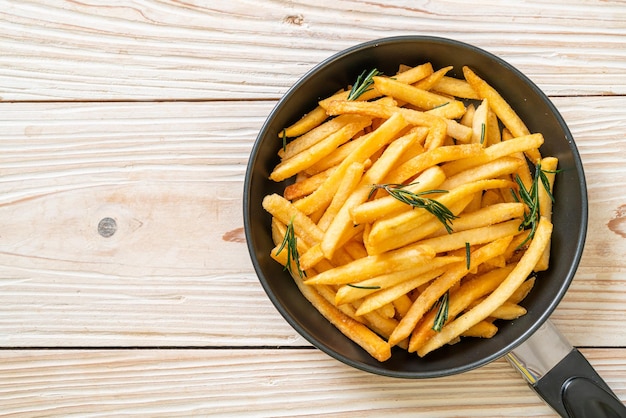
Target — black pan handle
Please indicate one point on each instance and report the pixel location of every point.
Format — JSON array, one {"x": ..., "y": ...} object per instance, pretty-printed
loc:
[
  {"x": 574, "y": 389},
  {"x": 563, "y": 377}
]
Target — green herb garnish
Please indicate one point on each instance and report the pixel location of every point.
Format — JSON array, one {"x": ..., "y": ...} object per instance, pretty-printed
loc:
[
  {"x": 467, "y": 255},
  {"x": 531, "y": 199},
  {"x": 482, "y": 133},
  {"x": 363, "y": 84},
  {"x": 356, "y": 286},
  {"x": 290, "y": 242},
  {"x": 442, "y": 312},
  {"x": 398, "y": 191},
  {"x": 284, "y": 138}
]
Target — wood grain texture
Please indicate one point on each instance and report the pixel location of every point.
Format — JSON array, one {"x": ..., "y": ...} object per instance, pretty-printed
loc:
[
  {"x": 253, "y": 383},
  {"x": 177, "y": 271},
  {"x": 162, "y": 50}
]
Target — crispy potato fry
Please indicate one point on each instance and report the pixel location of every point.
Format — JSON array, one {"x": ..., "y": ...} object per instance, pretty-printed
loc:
[
  {"x": 377, "y": 140},
  {"x": 479, "y": 124},
  {"x": 421, "y": 98},
  {"x": 455, "y": 87},
  {"x": 309, "y": 121},
  {"x": 371, "y": 266},
  {"x": 523, "y": 268},
  {"x": 438, "y": 287},
  {"x": 318, "y": 151},
  {"x": 350, "y": 181},
  {"x": 507, "y": 311},
  {"x": 548, "y": 166},
  {"x": 483, "y": 329},
  {"x": 501, "y": 108},
  {"x": 363, "y": 288},
  {"x": 316, "y": 135}
]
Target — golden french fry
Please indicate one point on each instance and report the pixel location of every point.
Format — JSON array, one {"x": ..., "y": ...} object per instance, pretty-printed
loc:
[
  {"x": 522, "y": 269},
  {"x": 548, "y": 166},
  {"x": 317, "y": 152},
  {"x": 371, "y": 266},
  {"x": 501, "y": 108},
  {"x": 483, "y": 329},
  {"x": 364, "y": 288},
  {"x": 388, "y": 295},
  {"x": 455, "y": 87},
  {"x": 341, "y": 222},
  {"x": 350, "y": 181},
  {"x": 481, "y": 235},
  {"x": 428, "y": 82},
  {"x": 479, "y": 123},
  {"x": 353, "y": 329},
  {"x": 374, "y": 142},
  {"x": 307, "y": 185},
  {"x": 459, "y": 300},
  {"x": 316, "y": 134},
  {"x": 306, "y": 123},
  {"x": 402, "y": 228},
  {"x": 441, "y": 285},
  {"x": 431, "y": 158},
  {"x": 507, "y": 310},
  {"x": 286, "y": 212},
  {"x": 421, "y": 98},
  {"x": 492, "y": 169},
  {"x": 493, "y": 152}
]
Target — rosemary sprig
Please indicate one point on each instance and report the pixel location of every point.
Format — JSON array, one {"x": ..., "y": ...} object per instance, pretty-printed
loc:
[
  {"x": 530, "y": 197},
  {"x": 398, "y": 191},
  {"x": 284, "y": 138},
  {"x": 467, "y": 255},
  {"x": 482, "y": 133},
  {"x": 442, "y": 312},
  {"x": 290, "y": 242},
  {"x": 363, "y": 83},
  {"x": 356, "y": 286}
]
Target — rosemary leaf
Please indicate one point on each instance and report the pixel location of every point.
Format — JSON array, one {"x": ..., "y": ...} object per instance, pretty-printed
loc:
[
  {"x": 363, "y": 84},
  {"x": 467, "y": 255},
  {"x": 290, "y": 243},
  {"x": 356, "y": 286},
  {"x": 439, "y": 210},
  {"x": 442, "y": 312}
]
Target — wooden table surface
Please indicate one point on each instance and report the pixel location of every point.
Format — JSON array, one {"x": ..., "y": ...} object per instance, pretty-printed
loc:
[{"x": 145, "y": 111}]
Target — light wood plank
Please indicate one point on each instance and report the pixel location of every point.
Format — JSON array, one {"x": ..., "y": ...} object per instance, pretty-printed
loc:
[
  {"x": 177, "y": 271},
  {"x": 247, "y": 383},
  {"x": 155, "y": 50}
]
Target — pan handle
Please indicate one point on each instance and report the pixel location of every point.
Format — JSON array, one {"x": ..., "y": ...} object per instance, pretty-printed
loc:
[{"x": 562, "y": 376}]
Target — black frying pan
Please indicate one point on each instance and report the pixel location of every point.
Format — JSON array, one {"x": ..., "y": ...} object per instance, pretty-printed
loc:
[{"x": 570, "y": 225}]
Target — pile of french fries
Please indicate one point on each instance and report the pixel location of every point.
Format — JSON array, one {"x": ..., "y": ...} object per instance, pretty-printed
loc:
[{"x": 379, "y": 269}]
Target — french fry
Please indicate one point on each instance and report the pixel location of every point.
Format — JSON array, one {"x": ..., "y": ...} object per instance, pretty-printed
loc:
[
  {"x": 354, "y": 172},
  {"x": 507, "y": 311},
  {"x": 479, "y": 124},
  {"x": 501, "y": 108},
  {"x": 455, "y": 87},
  {"x": 492, "y": 169},
  {"x": 548, "y": 166},
  {"x": 371, "y": 266},
  {"x": 316, "y": 134},
  {"x": 483, "y": 329},
  {"x": 307, "y": 185},
  {"x": 402, "y": 228},
  {"x": 388, "y": 295},
  {"x": 341, "y": 222},
  {"x": 460, "y": 299},
  {"x": 421, "y": 98},
  {"x": 318, "y": 151},
  {"x": 309, "y": 121},
  {"x": 378, "y": 139},
  {"x": 431, "y": 158},
  {"x": 493, "y": 152},
  {"x": 438, "y": 287},
  {"x": 363, "y": 288},
  {"x": 522, "y": 269}
]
